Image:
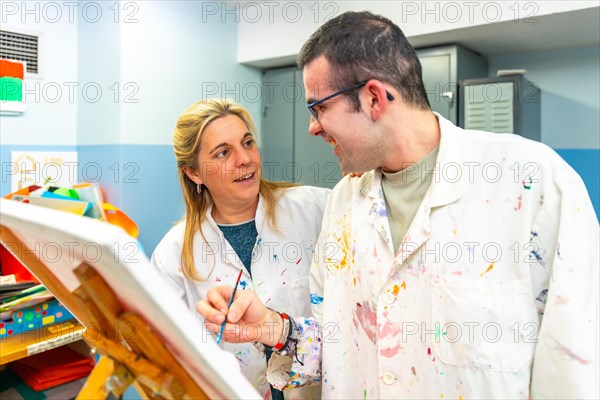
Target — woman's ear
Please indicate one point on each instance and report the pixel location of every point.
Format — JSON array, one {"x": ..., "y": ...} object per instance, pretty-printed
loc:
[{"x": 193, "y": 175}]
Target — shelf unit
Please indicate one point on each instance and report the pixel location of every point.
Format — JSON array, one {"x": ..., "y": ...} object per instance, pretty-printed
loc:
[{"x": 32, "y": 342}]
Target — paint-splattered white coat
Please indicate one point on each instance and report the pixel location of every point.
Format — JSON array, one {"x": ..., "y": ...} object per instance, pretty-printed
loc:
[
  {"x": 280, "y": 269},
  {"x": 492, "y": 294}
]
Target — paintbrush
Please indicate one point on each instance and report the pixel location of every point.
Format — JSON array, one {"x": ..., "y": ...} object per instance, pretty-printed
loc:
[{"x": 237, "y": 282}]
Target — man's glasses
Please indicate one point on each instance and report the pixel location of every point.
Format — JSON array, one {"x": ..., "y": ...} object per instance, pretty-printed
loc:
[{"x": 315, "y": 113}]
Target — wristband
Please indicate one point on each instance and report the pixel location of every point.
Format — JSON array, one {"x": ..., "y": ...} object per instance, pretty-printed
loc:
[
  {"x": 289, "y": 348},
  {"x": 285, "y": 334}
]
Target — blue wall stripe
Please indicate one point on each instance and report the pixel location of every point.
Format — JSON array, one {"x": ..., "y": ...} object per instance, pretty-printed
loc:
[
  {"x": 142, "y": 180},
  {"x": 139, "y": 179},
  {"x": 587, "y": 164}
]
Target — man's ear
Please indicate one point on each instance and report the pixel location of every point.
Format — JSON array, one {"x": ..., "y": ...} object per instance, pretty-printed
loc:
[
  {"x": 377, "y": 98},
  {"x": 193, "y": 175}
]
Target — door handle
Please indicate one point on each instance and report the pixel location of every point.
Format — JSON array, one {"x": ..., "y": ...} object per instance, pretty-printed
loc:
[{"x": 449, "y": 96}]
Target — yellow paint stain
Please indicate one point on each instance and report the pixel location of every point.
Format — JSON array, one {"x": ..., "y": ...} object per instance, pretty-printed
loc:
[
  {"x": 395, "y": 290},
  {"x": 344, "y": 252},
  {"x": 441, "y": 395},
  {"x": 491, "y": 267},
  {"x": 403, "y": 286},
  {"x": 354, "y": 281},
  {"x": 454, "y": 232},
  {"x": 459, "y": 397}
]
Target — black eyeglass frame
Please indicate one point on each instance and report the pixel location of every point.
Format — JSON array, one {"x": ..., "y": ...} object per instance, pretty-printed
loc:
[{"x": 311, "y": 106}]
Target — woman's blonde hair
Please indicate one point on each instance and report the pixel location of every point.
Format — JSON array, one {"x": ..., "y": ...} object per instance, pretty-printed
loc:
[{"x": 186, "y": 144}]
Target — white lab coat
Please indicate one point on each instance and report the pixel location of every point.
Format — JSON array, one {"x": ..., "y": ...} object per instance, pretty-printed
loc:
[
  {"x": 280, "y": 269},
  {"x": 492, "y": 294}
]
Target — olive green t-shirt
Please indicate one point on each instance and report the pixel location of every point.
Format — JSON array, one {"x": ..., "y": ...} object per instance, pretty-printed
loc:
[{"x": 403, "y": 191}]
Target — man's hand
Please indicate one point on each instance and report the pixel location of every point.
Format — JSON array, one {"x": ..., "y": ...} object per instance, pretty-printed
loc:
[{"x": 248, "y": 320}]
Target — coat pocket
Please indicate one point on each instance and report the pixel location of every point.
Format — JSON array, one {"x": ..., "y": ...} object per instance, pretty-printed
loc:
[{"x": 483, "y": 324}]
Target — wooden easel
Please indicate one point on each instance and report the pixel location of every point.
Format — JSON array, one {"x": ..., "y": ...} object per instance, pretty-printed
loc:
[{"x": 130, "y": 350}]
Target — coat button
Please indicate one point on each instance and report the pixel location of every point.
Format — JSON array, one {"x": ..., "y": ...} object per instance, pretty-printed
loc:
[
  {"x": 261, "y": 380},
  {"x": 388, "y": 378},
  {"x": 388, "y": 298}
]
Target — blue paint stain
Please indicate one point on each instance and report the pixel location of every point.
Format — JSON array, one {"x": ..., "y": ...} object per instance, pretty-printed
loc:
[
  {"x": 243, "y": 284},
  {"x": 543, "y": 296},
  {"x": 535, "y": 254},
  {"x": 315, "y": 299}
]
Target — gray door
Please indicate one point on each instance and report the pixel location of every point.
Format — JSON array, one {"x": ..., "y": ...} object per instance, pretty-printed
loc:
[
  {"x": 289, "y": 152},
  {"x": 314, "y": 158},
  {"x": 277, "y": 126},
  {"x": 436, "y": 78}
]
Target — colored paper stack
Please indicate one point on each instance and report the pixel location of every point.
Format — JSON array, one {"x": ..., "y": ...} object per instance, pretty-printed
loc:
[
  {"x": 12, "y": 74},
  {"x": 52, "y": 368},
  {"x": 82, "y": 198},
  {"x": 25, "y": 306}
]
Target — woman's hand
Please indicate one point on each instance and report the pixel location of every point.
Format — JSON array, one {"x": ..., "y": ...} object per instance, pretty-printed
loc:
[
  {"x": 353, "y": 174},
  {"x": 248, "y": 320}
]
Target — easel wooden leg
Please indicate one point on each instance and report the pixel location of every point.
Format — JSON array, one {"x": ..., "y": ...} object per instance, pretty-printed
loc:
[
  {"x": 133, "y": 342},
  {"x": 124, "y": 360},
  {"x": 107, "y": 377}
]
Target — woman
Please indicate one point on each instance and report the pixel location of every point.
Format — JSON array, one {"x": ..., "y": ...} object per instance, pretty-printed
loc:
[{"x": 235, "y": 219}]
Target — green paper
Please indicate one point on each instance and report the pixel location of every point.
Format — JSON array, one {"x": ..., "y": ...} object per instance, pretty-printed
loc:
[
  {"x": 11, "y": 89},
  {"x": 72, "y": 193}
]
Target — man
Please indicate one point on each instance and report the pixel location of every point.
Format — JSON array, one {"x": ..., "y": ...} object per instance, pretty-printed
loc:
[{"x": 461, "y": 264}]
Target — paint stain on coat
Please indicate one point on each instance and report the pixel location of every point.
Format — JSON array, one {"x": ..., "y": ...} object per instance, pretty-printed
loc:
[{"x": 491, "y": 267}]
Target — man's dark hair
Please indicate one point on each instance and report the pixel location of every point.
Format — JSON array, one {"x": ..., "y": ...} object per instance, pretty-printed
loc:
[{"x": 360, "y": 46}]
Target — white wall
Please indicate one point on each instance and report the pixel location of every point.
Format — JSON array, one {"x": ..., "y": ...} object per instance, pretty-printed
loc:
[
  {"x": 174, "y": 59},
  {"x": 50, "y": 117},
  {"x": 273, "y": 31},
  {"x": 152, "y": 60},
  {"x": 570, "y": 96},
  {"x": 99, "y": 75}
]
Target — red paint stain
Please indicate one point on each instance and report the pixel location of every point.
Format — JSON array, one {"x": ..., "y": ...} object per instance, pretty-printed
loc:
[
  {"x": 391, "y": 352},
  {"x": 519, "y": 202},
  {"x": 298, "y": 262},
  {"x": 367, "y": 318}
]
